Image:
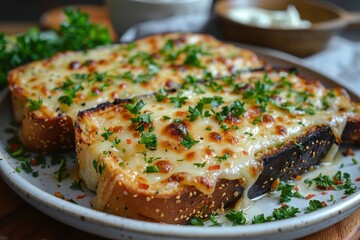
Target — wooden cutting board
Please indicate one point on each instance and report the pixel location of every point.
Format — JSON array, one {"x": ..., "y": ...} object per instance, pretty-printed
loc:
[{"x": 18, "y": 220}]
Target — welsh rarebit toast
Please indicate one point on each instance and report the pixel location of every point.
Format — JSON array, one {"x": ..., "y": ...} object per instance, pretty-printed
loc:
[
  {"x": 47, "y": 95},
  {"x": 191, "y": 152}
]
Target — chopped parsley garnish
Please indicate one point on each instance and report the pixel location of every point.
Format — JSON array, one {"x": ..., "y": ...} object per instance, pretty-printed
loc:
[
  {"x": 261, "y": 219},
  {"x": 166, "y": 117},
  {"x": 135, "y": 109},
  {"x": 354, "y": 161},
  {"x": 143, "y": 119},
  {"x": 149, "y": 140},
  {"x": 178, "y": 101},
  {"x": 152, "y": 169},
  {"x": 214, "y": 86},
  {"x": 340, "y": 181},
  {"x": 315, "y": 205},
  {"x": 287, "y": 192},
  {"x": 285, "y": 212},
  {"x": 161, "y": 95},
  {"x": 261, "y": 94},
  {"x": 324, "y": 182},
  {"x": 76, "y": 185},
  {"x": 62, "y": 172},
  {"x": 34, "y": 104},
  {"x": 188, "y": 141},
  {"x": 70, "y": 89},
  {"x": 196, "y": 221},
  {"x": 214, "y": 222},
  {"x": 99, "y": 168},
  {"x": 237, "y": 217},
  {"x": 106, "y": 134},
  {"x": 25, "y": 165},
  {"x": 224, "y": 127},
  {"x": 197, "y": 111},
  {"x": 308, "y": 182},
  {"x": 115, "y": 142},
  {"x": 325, "y": 99},
  {"x": 200, "y": 165},
  {"x": 223, "y": 158},
  {"x": 193, "y": 82},
  {"x": 236, "y": 109}
]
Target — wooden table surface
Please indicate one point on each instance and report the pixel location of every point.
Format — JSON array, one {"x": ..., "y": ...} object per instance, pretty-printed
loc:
[{"x": 19, "y": 220}]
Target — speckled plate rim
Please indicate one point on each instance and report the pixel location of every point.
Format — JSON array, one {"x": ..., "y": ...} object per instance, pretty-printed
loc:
[{"x": 81, "y": 215}]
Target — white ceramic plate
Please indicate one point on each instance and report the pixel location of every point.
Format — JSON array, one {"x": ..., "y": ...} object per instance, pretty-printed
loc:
[{"x": 40, "y": 191}]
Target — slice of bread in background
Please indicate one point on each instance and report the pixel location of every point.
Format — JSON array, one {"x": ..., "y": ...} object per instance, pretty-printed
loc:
[{"x": 71, "y": 82}]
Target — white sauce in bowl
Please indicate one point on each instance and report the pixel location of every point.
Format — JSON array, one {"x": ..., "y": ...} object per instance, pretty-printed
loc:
[{"x": 288, "y": 19}]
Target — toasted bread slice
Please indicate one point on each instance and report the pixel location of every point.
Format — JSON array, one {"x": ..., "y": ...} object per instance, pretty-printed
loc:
[
  {"x": 71, "y": 82},
  {"x": 197, "y": 152}
]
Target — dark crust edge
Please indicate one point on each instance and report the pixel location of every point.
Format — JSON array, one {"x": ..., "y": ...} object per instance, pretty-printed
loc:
[{"x": 293, "y": 159}]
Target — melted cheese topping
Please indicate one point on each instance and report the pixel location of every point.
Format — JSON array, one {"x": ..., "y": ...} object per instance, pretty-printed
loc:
[
  {"x": 278, "y": 107},
  {"x": 126, "y": 70}
]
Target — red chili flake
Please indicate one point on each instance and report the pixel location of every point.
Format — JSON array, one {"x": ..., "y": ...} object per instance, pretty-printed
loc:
[
  {"x": 79, "y": 197},
  {"x": 213, "y": 167},
  {"x": 345, "y": 196},
  {"x": 310, "y": 196},
  {"x": 14, "y": 147},
  {"x": 357, "y": 180},
  {"x": 34, "y": 162},
  {"x": 245, "y": 153},
  {"x": 338, "y": 182},
  {"x": 143, "y": 185},
  {"x": 296, "y": 188},
  {"x": 323, "y": 203},
  {"x": 284, "y": 205},
  {"x": 324, "y": 193},
  {"x": 129, "y": 141}
]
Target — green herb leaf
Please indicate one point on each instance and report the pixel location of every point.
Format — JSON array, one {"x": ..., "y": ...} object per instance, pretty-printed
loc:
[
  {"x": 285, "y": 212},
  {"x": 34, "y": 104},
  {"x": 261, "y": 219},
  {"x": 62, "y": 172},
  {"x": 188, "y": 141},
  {"x": 152, "y": 169},
  {"x": 76, "y": 185},
  {"x": 149, "y": 140},
  {"x": 315, "y": 205},
  {"x": 178, "y": 101},
  {"x": 106, "y": 134},
  {"x": 199, "y": 165},
  {"x": 223, "y": 158},
  {"x": 196, "y": 221},
  {"x": 135, "y": 109},
  {"x": 237, "y": 217},
  {"x": 214, "y": 222},
  {"x": 161, "y": 95}
]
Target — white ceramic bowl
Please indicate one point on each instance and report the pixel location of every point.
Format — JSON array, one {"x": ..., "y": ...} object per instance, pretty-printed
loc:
[{"x": 126, "y": 13}]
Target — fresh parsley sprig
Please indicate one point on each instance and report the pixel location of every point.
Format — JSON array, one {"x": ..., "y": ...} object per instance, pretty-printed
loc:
[{"x": 76, "y": 33}]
